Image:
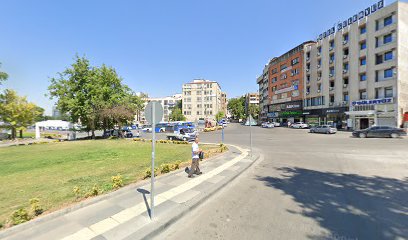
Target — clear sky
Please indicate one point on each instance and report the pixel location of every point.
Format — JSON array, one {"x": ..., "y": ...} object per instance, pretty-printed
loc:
[{"x": 156, "y": 46}]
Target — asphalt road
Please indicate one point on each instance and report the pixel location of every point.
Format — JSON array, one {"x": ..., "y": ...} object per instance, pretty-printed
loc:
[{"x": 308, "y": 186}]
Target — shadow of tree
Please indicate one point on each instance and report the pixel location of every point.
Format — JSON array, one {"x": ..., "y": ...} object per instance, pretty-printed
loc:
[{"x": 349, "y": 206}]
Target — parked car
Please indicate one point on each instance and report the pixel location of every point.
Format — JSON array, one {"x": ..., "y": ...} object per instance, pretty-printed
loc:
[
  {"x": 184, "y": 134},
  {"x": 276, "y": 124},
  {"x": 323, "y": 129},
  {"x": 147, "y": 128},
  {"x": 380, "y": 131},
  {"x": 116, "y": 133},
  {"x": 299, "y": 125}
]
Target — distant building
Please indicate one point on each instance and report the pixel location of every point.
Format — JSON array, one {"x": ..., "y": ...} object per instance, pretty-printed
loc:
[
  {"x": 168, "y": 103},
  {"x": 55, "y": 112},
  {"x": 203, "y": 99},
  {"x": 251, "y": 99}
]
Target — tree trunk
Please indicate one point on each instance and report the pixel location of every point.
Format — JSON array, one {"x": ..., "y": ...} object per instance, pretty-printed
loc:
[
  {"x": 93, "y": 133},
  {"x": 13, "y": 134},
  {"x": 21, "y": 133}
]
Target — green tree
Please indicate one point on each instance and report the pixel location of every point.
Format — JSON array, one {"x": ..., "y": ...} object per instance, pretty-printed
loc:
[
  {"x": 237, "y": 107},
  {"x": 177, "y": 115},
  {"x": 220, "y": 115},
  {"x": 16, "y": 112},
  {"x": 254, "y": 110},
  {"x": 3, "y": 76},
  {"x": 94, "y": 96}
]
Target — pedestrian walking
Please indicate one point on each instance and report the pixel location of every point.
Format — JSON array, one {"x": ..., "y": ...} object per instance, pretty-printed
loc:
[{"x": 195, "y": 162}]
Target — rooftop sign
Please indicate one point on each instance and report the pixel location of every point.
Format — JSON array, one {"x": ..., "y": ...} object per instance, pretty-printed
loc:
[{"x": 362, "y": 14}]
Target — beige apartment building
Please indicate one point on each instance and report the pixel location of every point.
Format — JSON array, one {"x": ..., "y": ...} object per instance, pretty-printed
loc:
[
  {"x": 203, "y": 99},
  {"x": 356, "y": 73}
]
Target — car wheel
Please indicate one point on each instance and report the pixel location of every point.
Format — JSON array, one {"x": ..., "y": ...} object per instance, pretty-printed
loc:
[
  {"x": 362, "y": 135},
  {"x": 327, "y": 132},
  {"x": 184, "y": 139},
  {"x": 394, "y": 135},
  {"x": 161, "y": 130},
  {"x": 311, "y": 131}
]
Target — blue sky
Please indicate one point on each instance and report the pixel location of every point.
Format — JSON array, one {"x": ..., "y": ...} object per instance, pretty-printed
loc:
[{"x": 156, "y": 46}]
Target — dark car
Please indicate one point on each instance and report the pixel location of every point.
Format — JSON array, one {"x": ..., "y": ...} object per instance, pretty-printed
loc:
[
  {"x": 380, "y": 131},
  {"x": 117, "y": 133}
]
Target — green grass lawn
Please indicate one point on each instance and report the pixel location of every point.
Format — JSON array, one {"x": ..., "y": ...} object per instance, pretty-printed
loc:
[{"x": 51, "y": 171}]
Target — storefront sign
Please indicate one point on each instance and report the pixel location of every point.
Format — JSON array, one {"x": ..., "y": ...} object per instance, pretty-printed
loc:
[
  {"x": 288, "y": 89},
  {"x": 272, "y": 115},
  {"x": 372, "y": 102},
  {"x": 282, "y": 100},
  {"x": 362, "y": 14},
  {"x": 290, "y": 114},
  {"x": 294, "y": 106}
]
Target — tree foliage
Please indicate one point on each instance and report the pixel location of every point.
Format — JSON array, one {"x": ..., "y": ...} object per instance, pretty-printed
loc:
[
  {"x": 237, "y": 107},
  {"x": 177, "y": 114},
  {"x": 220, "y": 115},
  {"x": 16, "y": 112},
  {"x": 95, "y": 96},
  {"x": 254, "y": 110},
  {"x": 3, "y": 76}
]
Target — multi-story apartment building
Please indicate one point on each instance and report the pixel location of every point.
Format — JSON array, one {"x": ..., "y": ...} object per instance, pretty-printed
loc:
[
  {"x": 202, "y": 100},
  {"x": 356, "y": 74},
  {"x": 281, "y": 87},
  {"x": 251, "y": 99},
  {"x": 168, "y": 103}
]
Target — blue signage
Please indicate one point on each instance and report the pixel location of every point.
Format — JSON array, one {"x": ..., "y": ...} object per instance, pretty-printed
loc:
[
  {"x": 372, "y": 102},
  {"x": 362, "y": 14},
  {"x": 272, "y": 115}
]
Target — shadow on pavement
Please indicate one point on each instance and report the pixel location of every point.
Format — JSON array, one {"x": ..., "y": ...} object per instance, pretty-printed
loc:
[
  {"x": 349, "y": 206},
  {"x": 144, "y": 192}
]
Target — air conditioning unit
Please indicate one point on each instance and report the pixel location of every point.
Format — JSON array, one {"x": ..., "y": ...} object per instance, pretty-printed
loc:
[
  {"x": 307, "y": 82},
  {"x": 331, "y": 88},
  {"x": 345, "y": 42},
  {"x": 331, "y": 103},
  {"x": 331, "y": 75},
  {"x": 345, "y": 56},
  {"x": 318, "y": 66},
  {"x": 307, "y": 93},
  {"x": 345, "y": 85},
  {"x": 318, "y": 91},
  {"x": 319, "y": 78},
  {"x": 307, "y": 59},
  {"x": 345, "y": 70},
  {"x": 344, "y": 103},
  {"x": 331, "y": 48},
  {"x": 307, "y": 70},
  {"x": 331, "y": 61},
  {"x": 318, "y": 54}
]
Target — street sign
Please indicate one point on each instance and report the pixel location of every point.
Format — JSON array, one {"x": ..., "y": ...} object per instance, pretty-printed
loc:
[
  {"x": 153, "y": 114},
  {"x": 158, "y": 112}
]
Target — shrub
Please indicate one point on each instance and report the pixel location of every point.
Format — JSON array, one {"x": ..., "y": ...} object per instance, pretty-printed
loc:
[
  {"x": 95, "y": 191},
  {"x": 176, "y": 165},
  {"x": 36, "y": 208},
  {"x": 20, "y": 216},
  {"x": 148, "y": 173},
  {"x": 117, "y": 181},
  {"x": 165, "y": 168},
  {"x": 77, "y": 191},
  {"x": 137, "y": 139}
]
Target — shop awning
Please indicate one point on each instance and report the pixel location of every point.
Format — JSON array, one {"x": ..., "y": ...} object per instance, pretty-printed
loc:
[{"x": 355, "y": 113}]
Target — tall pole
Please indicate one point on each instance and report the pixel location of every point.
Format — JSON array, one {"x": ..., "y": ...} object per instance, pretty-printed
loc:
[
  {"x": 222, "y": 138},
  {"x": 250, "y": 132},
  {"x": 153, "y": 152}
]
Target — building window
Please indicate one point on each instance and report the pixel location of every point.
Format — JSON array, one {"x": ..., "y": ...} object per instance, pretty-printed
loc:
[
  {"x": 346, "y": 66},
  {"x": 388, "y": 73},
  {"x": 308, "y": 89},
  {"x": 345, "y": 81},
  {"x": 332, "y": 98},
  {"x": 387, "y": 21},
  {"x": 388, "y": 56},
  {"x": 345, "y": 38},
  {"x": 346, "y": 52},
  {"x": 345, "y": 96},
  {"x": 275, "y": 79},
  {"x": 363, "y": 61},
  {"x": 331, "y": 71},
  {"x": 319, "y": 49},
  {"x": 295, "y": 61},
  {"x": 387, "y": 38},
  {"x": 363, "y": 94},
  {"x": 331, "y": 44},
  {"x": 377, "y": 93},
  {"x": 332, "y": 57},
  {"x": 363, "y": 77},
  {"x": 283, "y": 76},
  {"x": 363, "y": 45},
  {"x": 308, "y": 55},
  {"x": 319, "y": 87},
  {"x": 388, "y": 93},
  {"x": 378, "y": 59},
  {"x": 363, "y": 29},
  {"x": 283, "y": 67},
  {"x": 319, "y": 63},
  {"x": 275, "y": 70},
  {"x": 331, "y": 84}
]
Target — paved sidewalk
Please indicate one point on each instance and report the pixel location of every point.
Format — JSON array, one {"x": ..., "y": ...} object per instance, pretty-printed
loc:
[{"x": 124, "y": 214}]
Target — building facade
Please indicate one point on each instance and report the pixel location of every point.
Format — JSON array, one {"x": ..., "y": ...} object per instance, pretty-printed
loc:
[
  {"x": 168, "y": 103},
  {"x": 251, "y": 99},
  {"x": 354, "y": 76},
  {"x": 202, "y": 100},
  {"x": 282, "y": 87},
  {"x": 357, "y": 76}
]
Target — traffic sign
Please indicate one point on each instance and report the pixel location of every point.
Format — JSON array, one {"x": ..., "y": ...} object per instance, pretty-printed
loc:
[{"x": 158, "y": 112}]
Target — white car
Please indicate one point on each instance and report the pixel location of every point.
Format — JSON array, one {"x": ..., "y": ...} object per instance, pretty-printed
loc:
[
  {"x": 147, "y": 128},
  {"x": 301, "y": 125},
  {"x": 276, "y": 124}
]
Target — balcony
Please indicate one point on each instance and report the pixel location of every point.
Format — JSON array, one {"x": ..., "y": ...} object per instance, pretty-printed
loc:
[
  {"x": 345, "y": 85},
  {"x": 331, "y": 89}
]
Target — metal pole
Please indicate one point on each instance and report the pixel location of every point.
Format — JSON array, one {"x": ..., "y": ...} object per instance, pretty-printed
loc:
[
  {"x": 222, "y": 138},
  {"x": 153, "y": 152},
  {"x": 250, "y": 133}
]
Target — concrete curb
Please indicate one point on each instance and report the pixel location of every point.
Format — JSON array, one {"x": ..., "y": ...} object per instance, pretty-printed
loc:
[
  {"x": 87, "y": 202},
  {"x": 165, "y": 224}
]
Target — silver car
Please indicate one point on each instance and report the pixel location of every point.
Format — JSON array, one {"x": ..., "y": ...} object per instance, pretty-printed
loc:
[{"x": 323, "y": 129}]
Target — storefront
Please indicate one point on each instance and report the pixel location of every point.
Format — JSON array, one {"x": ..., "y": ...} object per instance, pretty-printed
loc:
[
  {"x": 367, "y": 113},
  {"x": 286, "y": 112},
  {"x": 335, "y": 117}
]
